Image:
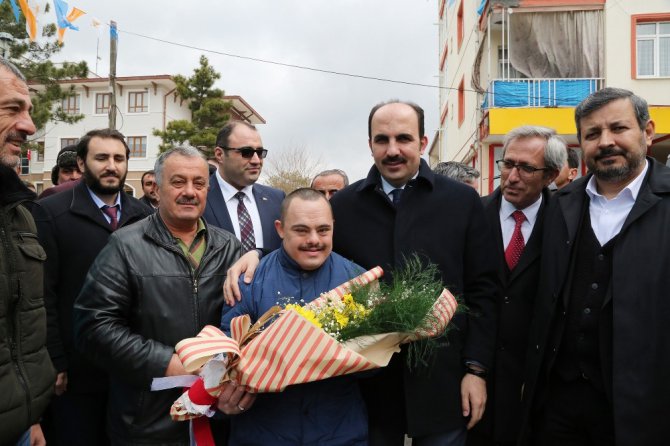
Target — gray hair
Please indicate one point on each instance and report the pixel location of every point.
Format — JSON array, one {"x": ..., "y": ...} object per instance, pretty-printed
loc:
[
  {"x": 555, "y": 150},
  {"x": 7, "y": 65},
  {"x": 601, "y": 98},
  {"x": 328, "y": 172},
  {"x": 457, "y": 171},
  {"x": 188, "y": 152}
]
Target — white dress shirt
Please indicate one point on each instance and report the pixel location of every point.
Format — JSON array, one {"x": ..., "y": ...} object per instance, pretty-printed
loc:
[
  {"x": 229, "y": 192},
  {"x": 388, "y": 187},
  {"x": 507, "y": 222},
  {"x": 100, "y": 204},
  {"x": 608, "y": 216}
]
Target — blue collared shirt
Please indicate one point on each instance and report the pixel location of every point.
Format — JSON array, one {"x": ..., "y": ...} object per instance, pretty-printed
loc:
[{"x": 100, "y": 204}]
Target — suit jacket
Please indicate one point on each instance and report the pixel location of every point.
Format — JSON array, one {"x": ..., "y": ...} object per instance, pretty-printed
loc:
[
  {"x": 502, "y": 417},
  {"x": 73, "y": 231},
  {"x": 639, "y": 309},
  {"x": 268, "y": 202},
  {"x": 442, "y": 221}
]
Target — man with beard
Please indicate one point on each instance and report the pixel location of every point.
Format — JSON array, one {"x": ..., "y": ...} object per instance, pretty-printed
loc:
[
  {"x": 155, "y": 283},
  {"x": 598, "y": 354},
  {"x": 73, "y": 228},
  {"x": 26, "y": 374}
]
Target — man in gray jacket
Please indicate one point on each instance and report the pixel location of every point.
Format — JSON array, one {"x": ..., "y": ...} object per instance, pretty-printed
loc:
[{"x": 156, "y": 282}]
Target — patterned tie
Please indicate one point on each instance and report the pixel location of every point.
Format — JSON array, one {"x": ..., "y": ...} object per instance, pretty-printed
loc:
[
  {"x": 112, "y": 212},
  {"x": 516, "y": 244},
  {"x": 246, "y": 227},
  {"x": 396, "y": 194}
]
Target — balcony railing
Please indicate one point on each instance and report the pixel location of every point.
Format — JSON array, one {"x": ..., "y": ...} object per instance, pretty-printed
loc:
[{"x": 540, "y": 92}]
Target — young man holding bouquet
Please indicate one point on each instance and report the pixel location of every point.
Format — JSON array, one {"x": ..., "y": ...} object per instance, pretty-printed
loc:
[{"x": 328, "y": 412}]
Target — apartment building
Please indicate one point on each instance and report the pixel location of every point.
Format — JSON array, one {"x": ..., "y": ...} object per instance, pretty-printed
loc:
[
  {"x": 144, "y": 103},
  {"x": 506, "y": 63}
]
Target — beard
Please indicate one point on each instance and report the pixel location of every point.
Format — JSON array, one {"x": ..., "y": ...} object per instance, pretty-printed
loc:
[
  {"x": 96, "y": 185},
  {"x": 633, "y": 160}
]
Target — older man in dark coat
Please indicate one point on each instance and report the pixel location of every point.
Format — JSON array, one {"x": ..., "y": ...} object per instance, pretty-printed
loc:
[
  {"x": 599, "y": 343},
  {"x": 532, "y": 157}
]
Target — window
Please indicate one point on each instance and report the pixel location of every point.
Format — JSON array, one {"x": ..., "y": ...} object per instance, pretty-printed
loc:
[
  {"x": 461, "y": 102},
  {"x": 137, "y": 102},
  {"x": 71, "y": 105},
  {"x": 25, "y": 166},
  {"x": 64, "y": 142},
  {"x": 102, "y": 103},
  {"x": 459, "y": 28},
  {"x": 651, "y": 45},
  {"x": 138, "y": 146}
]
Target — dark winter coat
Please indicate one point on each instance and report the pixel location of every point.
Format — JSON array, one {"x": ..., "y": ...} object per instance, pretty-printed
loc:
[{"x": 26, "y": 374}]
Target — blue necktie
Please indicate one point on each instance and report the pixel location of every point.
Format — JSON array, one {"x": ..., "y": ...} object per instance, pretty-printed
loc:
[{"x": 396, "y": 193}]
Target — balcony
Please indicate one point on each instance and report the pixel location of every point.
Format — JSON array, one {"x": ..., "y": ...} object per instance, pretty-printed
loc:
[{"x": 539, "y": 92}]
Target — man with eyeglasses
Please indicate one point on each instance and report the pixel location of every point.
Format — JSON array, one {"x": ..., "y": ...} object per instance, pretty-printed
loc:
[
  {"x": 235, "y": 203},
  {"x": 532, "y": 157}
]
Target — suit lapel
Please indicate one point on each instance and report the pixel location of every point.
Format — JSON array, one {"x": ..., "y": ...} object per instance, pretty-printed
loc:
[
  {"x": 267, "y": 220},
  {"x": 492, "y": 210},
  {"x": 83, "y": 205},
  {"x": 533, "y": 247},
  {"x": 217, "y": 206}
]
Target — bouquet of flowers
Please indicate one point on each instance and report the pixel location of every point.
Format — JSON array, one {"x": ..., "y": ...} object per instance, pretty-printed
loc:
[{"x": 355, "y": 327}]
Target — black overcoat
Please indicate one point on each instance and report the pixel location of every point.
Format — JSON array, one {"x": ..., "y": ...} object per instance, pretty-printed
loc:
[
  {"x": 73, "y": 230},
  {"x": 443, "y": 221},
  {"x": 502, "y": 417},
  {"x": 639, "y": 297}
]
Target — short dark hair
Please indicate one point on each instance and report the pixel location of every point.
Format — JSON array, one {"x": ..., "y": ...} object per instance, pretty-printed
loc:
[
  {"x": 67, "y": 157},
  {"x": 148, "y": 172},
  {"x": 601, "y": 98},
  {"x": 329, "y": 172},
  {"x": 82, "y": 145},
  {"x": 54, "y": 175},
  {"x": 573, "y": 158},
  {"x": 224, "y": 133},
  {"x": 415, "y": 107},
  {"x": 304, "y": 193}
]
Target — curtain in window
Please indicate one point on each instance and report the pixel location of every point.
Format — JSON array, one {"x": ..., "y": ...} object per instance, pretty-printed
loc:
[{"x": 557, "y": 44}]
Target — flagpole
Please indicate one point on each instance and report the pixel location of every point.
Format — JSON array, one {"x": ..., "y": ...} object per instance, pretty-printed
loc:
[{"x": 113, "y": 37}]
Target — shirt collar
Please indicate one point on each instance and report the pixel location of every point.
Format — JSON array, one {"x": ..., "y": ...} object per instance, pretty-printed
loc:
[
  {"x": 507, "y": 209},
  {"x": 388, "y": 187},
  {"x": 99, "y": 203},
  {"x": 631, "y": 190},
  {"x": 228, "y": 191}
]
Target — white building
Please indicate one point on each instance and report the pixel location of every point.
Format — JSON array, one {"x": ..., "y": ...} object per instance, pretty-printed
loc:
[
  {"x": 506, "y": 63},
  {"x": 144, "y": 103}
]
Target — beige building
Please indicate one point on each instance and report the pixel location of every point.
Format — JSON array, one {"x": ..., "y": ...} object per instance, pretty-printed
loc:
[
  {"x": 506, "y": 63},
  {"x": 144, "y": 103}
]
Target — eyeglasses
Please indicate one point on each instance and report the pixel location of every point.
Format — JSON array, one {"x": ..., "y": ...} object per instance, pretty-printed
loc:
[
  {"x": 248, "y": 152},
  {"x": 525, "y": 170}
]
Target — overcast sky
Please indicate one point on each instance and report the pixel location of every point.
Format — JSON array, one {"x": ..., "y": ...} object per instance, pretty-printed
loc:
[{"x": 324, "y": 113}]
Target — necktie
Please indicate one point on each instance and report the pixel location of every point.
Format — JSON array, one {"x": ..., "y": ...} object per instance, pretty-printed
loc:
[
  {"x": 516, "y": 244},
  {"x": 246, "y": 227},
  {"x": 396, "y": 193},
  {"x": 112, "y": 212}
]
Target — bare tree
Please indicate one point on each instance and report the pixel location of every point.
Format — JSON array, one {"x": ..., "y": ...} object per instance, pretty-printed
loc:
[{"x": 291, "y": 168}]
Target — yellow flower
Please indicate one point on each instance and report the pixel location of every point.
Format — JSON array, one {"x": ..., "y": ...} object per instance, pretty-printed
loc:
[
  {"x": 341, "y": 319},
  {"x": 307, "y": 314}
]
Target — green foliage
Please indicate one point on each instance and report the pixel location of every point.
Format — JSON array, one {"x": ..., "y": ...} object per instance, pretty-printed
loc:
[
  {"x": 209, "y": 111},
  {"x": 33, "y": 59}
]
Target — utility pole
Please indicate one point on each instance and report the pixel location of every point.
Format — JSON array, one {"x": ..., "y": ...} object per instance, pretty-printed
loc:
[{"x": 113, "y": 41}]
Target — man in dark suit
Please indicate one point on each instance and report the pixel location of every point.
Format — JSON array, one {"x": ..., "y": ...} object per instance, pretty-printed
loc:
[
  {"x": 235, "y": 202},
  {"x": 73, "y": 227},
  {"x": 402, "y": 208},
  {"x": 599, "y": 341},
  {"x": 532, "y": 157}
]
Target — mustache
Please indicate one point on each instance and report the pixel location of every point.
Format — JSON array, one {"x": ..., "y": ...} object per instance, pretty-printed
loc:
[
  {"x": 394, "y": 159},
  {"x": 189, "y": 201},
  {"x": 609, "y": 151},
  {"x": 311, "y": 246},
  {"x": 17, "y": 136}
]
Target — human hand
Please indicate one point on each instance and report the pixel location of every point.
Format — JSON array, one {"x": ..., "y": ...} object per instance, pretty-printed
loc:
[
  {"x": 234, "y": 399},
  {"x": 61, "y": 384},
  {"x": 473, "y": 398},
  {"x": 175, "y": 367},
  {"x": 37, "y": 436},
  {"x": 246, "y": 264}
]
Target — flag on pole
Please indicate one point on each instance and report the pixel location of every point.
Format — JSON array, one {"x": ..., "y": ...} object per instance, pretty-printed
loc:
[
  {"x": 113, "y": 31},
  {"x": 31, "y": 20},
  {"x": 65, "y": 20}
]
